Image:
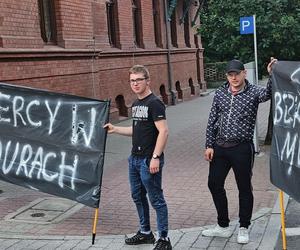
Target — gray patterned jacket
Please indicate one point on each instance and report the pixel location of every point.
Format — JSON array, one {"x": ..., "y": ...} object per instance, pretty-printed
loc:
[{"x": 232, "y": 117}]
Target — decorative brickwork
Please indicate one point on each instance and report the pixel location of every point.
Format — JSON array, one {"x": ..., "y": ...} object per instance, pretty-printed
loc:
[{"x": 215, "y": 71}]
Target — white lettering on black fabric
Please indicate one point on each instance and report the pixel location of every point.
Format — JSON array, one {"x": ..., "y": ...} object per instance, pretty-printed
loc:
[
  {"x": 140, "y": 112},
  {"x": 18, "y": 160},
  {"x": 52, "y": 115},
  {"x": 34, "y": 161},
  {"x": 287, "y": 115},
  {"x": 79, "y": 127},
  {"x": 4, "y": 109}
]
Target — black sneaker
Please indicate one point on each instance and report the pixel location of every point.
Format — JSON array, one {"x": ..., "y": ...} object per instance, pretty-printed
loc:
[
  {"x": 140, "y": 238},
  {"x": 163, "y": 244}
]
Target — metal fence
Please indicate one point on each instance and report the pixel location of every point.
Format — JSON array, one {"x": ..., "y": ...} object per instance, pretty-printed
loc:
[{"x": 214, "y": 72}]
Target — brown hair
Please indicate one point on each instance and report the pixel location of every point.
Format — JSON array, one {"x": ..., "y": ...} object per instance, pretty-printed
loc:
[{"x": 139, "y": 69}]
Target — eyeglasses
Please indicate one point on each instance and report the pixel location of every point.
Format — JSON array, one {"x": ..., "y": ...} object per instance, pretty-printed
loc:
[{"x": 137, "y": 80}]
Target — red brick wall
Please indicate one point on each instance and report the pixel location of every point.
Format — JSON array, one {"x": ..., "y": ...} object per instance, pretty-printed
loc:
[
  {"x": 77, "y": 25},
  {"x": 125, "y": 24},
  {"x": 67, "y": 66},
  {"x": 148, "y": 26},
  {"x": 60, "y": 75},
  {"x": 20, "y": 24}
]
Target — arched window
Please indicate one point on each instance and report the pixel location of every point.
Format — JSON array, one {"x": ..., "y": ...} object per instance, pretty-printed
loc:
[
  {"x": 112, "y": 23},
  {"x": 186, "y": 24},
  {"x": 179, "y": 91},
  {"x": 137, "y": 23},
  {"x": 157, "y": 23},
  {"x": 164, "y": 96},
  {"x": 47, "y": 21},
  {"x": 123, "y": 111},
  {"x": 174, "y": 30},
  {"x": 191, "y": 84}
]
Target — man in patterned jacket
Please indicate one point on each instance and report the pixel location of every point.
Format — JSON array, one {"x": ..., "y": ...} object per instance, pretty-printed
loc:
[{"x": 229, "y": 144}]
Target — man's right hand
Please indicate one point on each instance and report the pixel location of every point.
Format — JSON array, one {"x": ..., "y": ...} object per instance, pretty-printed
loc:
[
  {"x": 110, "y": 128},
  {"x": 118, "y": 129},
  {"x": 209, "y": 154}
]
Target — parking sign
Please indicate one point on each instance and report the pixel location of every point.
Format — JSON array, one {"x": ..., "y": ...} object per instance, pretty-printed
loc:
[{"x": 246, "y": 25}]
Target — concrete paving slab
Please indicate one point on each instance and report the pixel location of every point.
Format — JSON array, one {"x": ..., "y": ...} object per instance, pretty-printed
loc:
[{"x": 44, "y": 211}]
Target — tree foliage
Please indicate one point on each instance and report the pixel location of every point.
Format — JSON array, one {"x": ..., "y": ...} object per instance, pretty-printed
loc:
[{"x": 277, "y": 30}]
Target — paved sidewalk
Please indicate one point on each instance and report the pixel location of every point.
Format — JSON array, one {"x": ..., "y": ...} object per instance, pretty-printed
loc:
[
  {"x": 190, "y": 204},
  {"x": 292, "y": 226},
  {"x": 263, "y": 236}
]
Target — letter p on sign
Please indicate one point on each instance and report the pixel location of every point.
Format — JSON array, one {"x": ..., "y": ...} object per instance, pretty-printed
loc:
[{"x": 246, "y": 25}]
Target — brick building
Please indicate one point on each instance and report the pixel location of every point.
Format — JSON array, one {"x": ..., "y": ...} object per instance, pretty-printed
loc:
[{"x": 85, "y": 47}]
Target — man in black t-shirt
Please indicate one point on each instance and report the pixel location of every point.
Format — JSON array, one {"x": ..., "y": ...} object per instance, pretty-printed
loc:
[{"x": 149, "y": 133}]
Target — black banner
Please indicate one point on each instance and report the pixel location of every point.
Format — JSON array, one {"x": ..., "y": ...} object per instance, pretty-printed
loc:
[
  {"x": 52, "y": 142},
  {"x": 285, "y": 152}
]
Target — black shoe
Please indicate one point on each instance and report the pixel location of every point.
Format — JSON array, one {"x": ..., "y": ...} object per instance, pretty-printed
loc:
[
  {"x": 140, "y": 238},
  {"x": 162, "y": 244}
]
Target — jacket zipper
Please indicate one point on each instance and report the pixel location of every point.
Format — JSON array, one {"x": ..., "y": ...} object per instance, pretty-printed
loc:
[{"x": 230, "y": 111}]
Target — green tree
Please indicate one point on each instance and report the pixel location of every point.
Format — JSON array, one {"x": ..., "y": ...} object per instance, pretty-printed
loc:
[{"x": 277, "y": 30}]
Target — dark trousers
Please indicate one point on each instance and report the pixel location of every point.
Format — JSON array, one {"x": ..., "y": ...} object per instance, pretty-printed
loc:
[{"x": 240, "y": 159}]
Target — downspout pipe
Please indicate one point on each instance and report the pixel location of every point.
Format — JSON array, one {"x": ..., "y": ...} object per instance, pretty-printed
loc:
[{"x": 170, "y": 76}]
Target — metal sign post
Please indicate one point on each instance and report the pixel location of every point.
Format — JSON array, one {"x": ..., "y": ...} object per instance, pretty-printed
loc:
[
  {"x": 248, "y": 26},
  {"x": 255, "y": 49}
]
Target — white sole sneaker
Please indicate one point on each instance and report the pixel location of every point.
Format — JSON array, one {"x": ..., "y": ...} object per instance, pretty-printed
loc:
[
  {"x": 243, "y": 236},
  {"x": 217, "y": 231}
]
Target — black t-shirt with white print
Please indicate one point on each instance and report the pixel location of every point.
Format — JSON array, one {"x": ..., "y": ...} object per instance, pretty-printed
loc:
[{"x": 144, "y": 113}]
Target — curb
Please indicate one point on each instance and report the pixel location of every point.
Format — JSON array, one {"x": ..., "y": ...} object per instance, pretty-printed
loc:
[
  {"x": 274, "y": 225},
  {"x": 262, "y": 212},
  {"x": 207, "y": 92}
]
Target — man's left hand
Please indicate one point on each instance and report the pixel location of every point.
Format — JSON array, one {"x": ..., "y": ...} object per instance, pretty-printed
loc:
[
  {"x": 154, "y": 166},
  {"x": 269, "y": 67}
]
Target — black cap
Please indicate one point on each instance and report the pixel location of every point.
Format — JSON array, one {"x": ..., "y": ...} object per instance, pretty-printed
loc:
[{"x": 234, "y": 66}]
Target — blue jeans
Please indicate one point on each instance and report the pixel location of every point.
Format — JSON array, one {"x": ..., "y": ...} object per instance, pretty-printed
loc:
[{"x": 142, "y": 182}]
